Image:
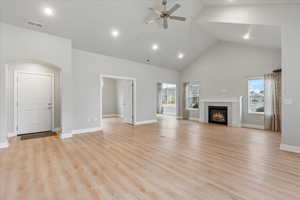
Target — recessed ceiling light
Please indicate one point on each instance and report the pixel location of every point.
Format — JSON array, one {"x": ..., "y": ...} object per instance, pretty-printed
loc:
[
  {"x": 154, "y": 47},
  {"x": 246, "y": 36},
  {"x": 48, "y": 11},
  {"x": 115, "y": 33},
  {"x": 180, "y": 55}
]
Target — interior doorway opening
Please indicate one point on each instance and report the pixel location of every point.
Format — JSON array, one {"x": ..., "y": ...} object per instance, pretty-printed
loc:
[
  {"x": 117, "y": 100},
  {"x": 166, "y": 99}
]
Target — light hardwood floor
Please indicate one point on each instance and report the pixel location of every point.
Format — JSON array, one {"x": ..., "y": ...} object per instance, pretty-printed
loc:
[{"x": 171, "y": 160}]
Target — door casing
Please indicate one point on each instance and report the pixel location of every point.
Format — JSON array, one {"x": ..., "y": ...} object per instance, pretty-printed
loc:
[
  {"x": 133, "y": 99},
  {"x": 17, "y": 73}
]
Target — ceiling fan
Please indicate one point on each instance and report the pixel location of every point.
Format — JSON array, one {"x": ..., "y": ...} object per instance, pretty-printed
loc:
[{"x": 164, "y": 14}]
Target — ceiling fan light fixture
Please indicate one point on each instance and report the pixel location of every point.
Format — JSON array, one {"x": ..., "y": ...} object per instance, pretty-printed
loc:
[{"x": 165, "y": 15}]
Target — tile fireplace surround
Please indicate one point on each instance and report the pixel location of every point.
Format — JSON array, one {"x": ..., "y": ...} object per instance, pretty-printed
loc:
[{"x": 233, "y": 104}]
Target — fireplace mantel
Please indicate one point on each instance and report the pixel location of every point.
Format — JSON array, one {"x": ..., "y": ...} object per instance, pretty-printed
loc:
[
  {"x": 222, "y": 100},
  {"x": 234, "y": 105}
]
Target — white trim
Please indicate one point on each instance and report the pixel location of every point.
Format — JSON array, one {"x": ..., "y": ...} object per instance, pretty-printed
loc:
[
  {"x": 253, "y": 126},
  {"x": 294, "y": 149},
  {"x": 111, "y": 115},
  {"x": 16, "y": 95},
  {"x": 256, "y": 113},
  {"x": 65, "y": 135},
  {"x": 116, "y": 77},
  {"x": 192, "y": 109},
  {"x": 4, "y": 145},
  {"x": 13, "y": 134},
  {"x": 87, "y": 130},
  {"x": 169, "y": 114},
  {"x": 134, "y": 94},
  {"x": 146, "y": 122},
  {"x": 194, "y": 119}
]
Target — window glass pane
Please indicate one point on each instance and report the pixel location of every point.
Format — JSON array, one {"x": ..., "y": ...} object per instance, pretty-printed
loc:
[
  {"x": 168, "y": 95},
  {"x": 256, "y": 96},
  {"x": 193, "y": 93}
]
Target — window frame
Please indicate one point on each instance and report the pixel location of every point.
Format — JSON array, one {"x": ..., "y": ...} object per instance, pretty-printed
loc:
[
  {"x": 187, "y": 96},
  {"x": 248, "y": 90}
]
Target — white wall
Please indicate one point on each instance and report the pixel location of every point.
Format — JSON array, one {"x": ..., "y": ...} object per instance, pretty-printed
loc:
[
  {"x": 39, "y": 68},
  {"x": 223, "y": 71},
  {"x": 285, "y": 16},
  {"x": 110, "y": 97},
  {"x": 87, "y": 68},
  {"x": 18, "y": 44}
]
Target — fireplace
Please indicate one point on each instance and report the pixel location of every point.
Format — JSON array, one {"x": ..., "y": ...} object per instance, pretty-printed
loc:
[{"x": 218, "y": 115}]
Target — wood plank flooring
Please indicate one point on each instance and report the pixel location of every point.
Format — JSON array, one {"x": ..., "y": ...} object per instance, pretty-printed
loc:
[{"x": 171, "y": 160}]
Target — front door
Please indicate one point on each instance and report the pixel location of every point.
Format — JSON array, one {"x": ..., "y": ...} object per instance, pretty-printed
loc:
[{"x": 35, "y": 102}]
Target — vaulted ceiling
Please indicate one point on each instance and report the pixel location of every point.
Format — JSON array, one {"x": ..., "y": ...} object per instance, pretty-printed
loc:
[
  {"x": 248, "y": 2},
  {"x": 89, "y": 23}
]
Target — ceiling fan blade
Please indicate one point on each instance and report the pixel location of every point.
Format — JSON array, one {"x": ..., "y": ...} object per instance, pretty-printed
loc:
[
  {"x": 165, "y": 20},
  {"x": 156, "y": 11},
  {"x": 151, "y": 21},
  {"x": 173, "y": 9},
  {"x": 178, "y": 18}
]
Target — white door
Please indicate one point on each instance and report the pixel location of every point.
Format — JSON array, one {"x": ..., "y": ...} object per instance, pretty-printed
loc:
[
  {"x": 128, "y": 102},
  {"x": 35, "y": 102}
]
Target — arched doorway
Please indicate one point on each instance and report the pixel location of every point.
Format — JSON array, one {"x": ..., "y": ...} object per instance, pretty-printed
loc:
[{"x": 32, "y": 97}]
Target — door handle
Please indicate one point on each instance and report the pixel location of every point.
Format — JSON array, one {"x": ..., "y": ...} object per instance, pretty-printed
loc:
[
  {"x": 49, "y": 108},
  {"x": 49, "y": 104}
]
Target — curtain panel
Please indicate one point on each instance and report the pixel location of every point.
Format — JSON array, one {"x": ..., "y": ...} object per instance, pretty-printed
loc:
[
  {"x": 273, "y": 101},
  {"x": 185, "y": 112}
]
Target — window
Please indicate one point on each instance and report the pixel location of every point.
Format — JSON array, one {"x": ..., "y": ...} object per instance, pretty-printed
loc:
[
  {"x": 256, "y": 96},
  {"x": 192, "y": 96}
]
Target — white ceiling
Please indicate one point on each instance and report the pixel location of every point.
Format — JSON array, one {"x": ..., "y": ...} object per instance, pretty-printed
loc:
[
  {"x": 89, "y": 22},
  {"x": 261, "y": 36},
  {"x": 249, "y": 2}
]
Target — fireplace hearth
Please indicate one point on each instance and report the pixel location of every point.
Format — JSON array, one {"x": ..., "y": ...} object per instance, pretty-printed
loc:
[{"x": 218, "y": 115}]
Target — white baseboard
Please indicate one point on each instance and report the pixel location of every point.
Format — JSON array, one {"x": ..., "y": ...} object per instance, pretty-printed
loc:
[
  {"x": 111, "y": 115},
  {"x": 253, "y": 126},
  {"x": 4, "y": 145},
  {"x": 285, "y": 147},
  {"x": 12, "y": 135},
  {"x": 66, "y": 135},
  {"x": 146, "y": 122},
  {"x": 86, "y": 130},
  {"x": 194, "y": 119}
]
